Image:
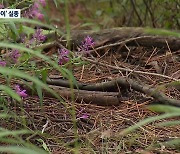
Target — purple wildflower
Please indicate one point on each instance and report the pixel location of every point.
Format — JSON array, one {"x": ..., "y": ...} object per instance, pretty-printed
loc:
[
  {"x": 38, "y": 36},
  {"x": 89, "y": 41},
  {"x": 63, "y": 56},
  {"x": 42, "y": 2},
  {"x": 1, "y": 6},
  {"x": 82, "y": 115},
  {"x": 31, "y": 13},
  {"x": 2, "y": 63},
  {"x": 86, "y": 44},
  {"x": 20, "y": 92},
  {"x": 36, "y": 6},
  {"x": 36, "y": 39},
  {"x": 39, "y": 2},
  {"x": 15, "y": 55},
  {"x": 40, "y": 16},
  {"x": 34, "y": 11}
]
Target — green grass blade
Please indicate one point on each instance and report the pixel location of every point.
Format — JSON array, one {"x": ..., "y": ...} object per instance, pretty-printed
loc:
[
  {"x": 35, "y": 53},
  {"x": 163, "y": 32},
  {"x": 4, "y": 115},
  {"x": 45, "y": 147},
  {"x": 10, "y": 92},
  {"x": 13, "y": 133},
  {"x": 63, "y": 71},
  {"x": 20, "y": 74},
  {"x": 40, "y": 94},
  {"x": 31, "y": 21},
  {"x": 164, "y": 108},
  {"x": 14, "y": 30},
  {"x": 148, "y": 120},
  {"x": 172, "y": 143},
  {"x": 28, "y": 30},
  {"x": 169, "y": 123},
  {"x": 20, "y": 150}
]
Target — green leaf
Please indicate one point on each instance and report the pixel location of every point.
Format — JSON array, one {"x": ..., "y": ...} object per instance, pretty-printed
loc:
[
  {"x": 13, "y": 133},
  {"x": 39, "y": 89},
  {"x": 172, "y": 143},
  {"x": 4, "y": 115},
  {"x": 10, "y": 92},
  {"x": 3, "y": 32},
  {"x": 40, "y": 94},
  {"x": 28, "y": 30},
  {"x": 35, "y": 53},
  {"x": 31, "y": 21},
  {"x": 11, "y": 141},
  {"x": 169, "y": 123},
  {"x": 70, "y": 76},
  {"x": 20, "y": 150},
  {"x": 14, "y": 30},
  {"x": 175, "y": 84},
  {"x": 148, "y": 120},
  {"x": 162, "y": 32},
  {"x": 44, "y": 74},
  {"x": 164, "y": 108},
  {"x": 17, "y": 73},
  {"x": 43, "y": 145}
]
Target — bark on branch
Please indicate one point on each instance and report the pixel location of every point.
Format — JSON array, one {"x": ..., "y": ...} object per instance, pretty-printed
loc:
[
  {"x": 124, "y": 83},
  {"x": 89, "y": 97}
]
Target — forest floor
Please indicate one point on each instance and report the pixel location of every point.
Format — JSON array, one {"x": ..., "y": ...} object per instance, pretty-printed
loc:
[{"x": 101, "y": 131}]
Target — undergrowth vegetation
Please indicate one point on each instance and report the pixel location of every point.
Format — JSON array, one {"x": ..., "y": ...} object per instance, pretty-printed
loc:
[{"x": 24, "y": 66}]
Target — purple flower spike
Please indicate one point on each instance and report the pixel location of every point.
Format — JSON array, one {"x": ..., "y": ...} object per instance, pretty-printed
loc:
[
  {"x": 35, "y": 10},
  {"x": 84, "y": 116},
  {"x": 36, "y": 6},
  {"x": 38, "y": 3},
  {"x": 42, "y": 2},
  {"x": 63, "y": 52},
  {"x": 38, "y": 36},
  {"x": 2, "y": 63},
  {"x": 21, "y": 93},
  {"x": 89, "y": 41},
  {"x": 63, "y": 56},
  {"x": 40, "y": 16},
  {"x": 63, "y": 60},
  {"x": 86, "y": 44},
  {"x": 15, "y": 55}
]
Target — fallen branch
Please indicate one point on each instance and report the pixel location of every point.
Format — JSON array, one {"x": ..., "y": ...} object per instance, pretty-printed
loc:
[
  {"x": 94, "y": 97},
  {"x": 89, "y": 97},
  {"x": 124, "y": 83}
]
